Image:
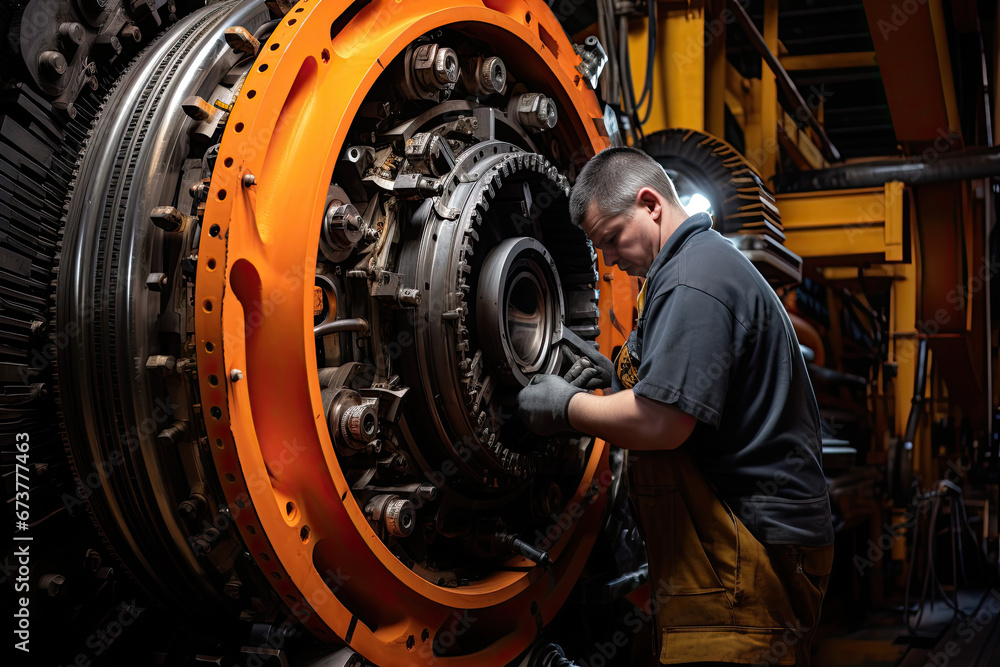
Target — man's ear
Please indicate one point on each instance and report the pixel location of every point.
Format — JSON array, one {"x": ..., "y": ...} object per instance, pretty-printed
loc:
[{"x": 649, "y": 199}]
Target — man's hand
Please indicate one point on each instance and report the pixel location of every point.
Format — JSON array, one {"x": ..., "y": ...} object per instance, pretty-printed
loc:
[
  {"x": 585, "y": 373},
  {"x": 543, "y": 405}
]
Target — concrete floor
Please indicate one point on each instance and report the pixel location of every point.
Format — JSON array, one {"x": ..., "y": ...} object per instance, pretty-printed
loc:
[{"x": 943, "y": 639}]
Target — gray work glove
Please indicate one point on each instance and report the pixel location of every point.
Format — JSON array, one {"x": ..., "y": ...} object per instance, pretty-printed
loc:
[
  {"x": 593, "y": 371},
  {"x": 543, "y": 405}
]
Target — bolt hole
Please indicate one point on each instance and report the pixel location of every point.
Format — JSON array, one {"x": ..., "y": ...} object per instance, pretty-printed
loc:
[
  {"x": 219, "y": 443},
  {"x": 214, "y": 230},
  {"x": 239, "y": 127},
  {"x": 275, "y": 46},
  {"x": 425, "y": 635},
  {"x": 209, "y": 346},
  {"x": 290, "y": 508},
  {"x": 213, "y": 380},
  {"x": 264, "y": 557},
  {"x": 527, "y": 17},
  {"x": 291, "y": 21},
  {"x": 230, "y": 478},
  {"x": 222, "y": 195},
  {"x": 343, "y": 496},
  {"x": 251, "y": 94},
  {"x": 211, "y": 264},
  {"x": 228, "y": 162},
  {"x": 325, "y": 55},
  {"x": 262, "y": 68},
  {"x": 207, "y": 306},
  {"x": 298, "y": 11},
  {"x": 304, "y": 533},
  {"x": 410, "y": 643},
  {"x": 251, "y": 530},
  {"x": 216, "y": 412}
]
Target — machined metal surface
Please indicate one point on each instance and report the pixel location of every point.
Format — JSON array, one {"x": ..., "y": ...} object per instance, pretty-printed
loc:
[
  {"x": 278, "y": 362},
  {"x": 438, "y": 507}
]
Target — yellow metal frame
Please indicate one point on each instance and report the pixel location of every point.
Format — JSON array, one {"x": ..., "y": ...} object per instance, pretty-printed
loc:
[
  {"x": 845, "y": 226},
  {"x": 823, "y": 61}
]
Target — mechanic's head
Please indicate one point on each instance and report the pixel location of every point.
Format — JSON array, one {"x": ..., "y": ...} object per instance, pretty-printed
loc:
[{"x": 628, "y": 207}]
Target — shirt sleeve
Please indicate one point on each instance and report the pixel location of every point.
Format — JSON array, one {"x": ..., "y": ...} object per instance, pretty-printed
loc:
[{"x": 689, "y": 348}]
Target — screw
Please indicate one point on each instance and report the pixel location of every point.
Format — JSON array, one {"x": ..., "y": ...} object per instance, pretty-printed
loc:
[
  {"x": 248, "y": 180},
  {"x": 236, "y": 375}
]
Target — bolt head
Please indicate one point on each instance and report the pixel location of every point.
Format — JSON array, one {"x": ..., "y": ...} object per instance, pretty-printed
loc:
[{"x": 52, "y": 63}]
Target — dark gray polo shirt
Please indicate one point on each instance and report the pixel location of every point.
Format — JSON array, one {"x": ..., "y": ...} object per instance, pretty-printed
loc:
[{"x": 714, "y": 340}]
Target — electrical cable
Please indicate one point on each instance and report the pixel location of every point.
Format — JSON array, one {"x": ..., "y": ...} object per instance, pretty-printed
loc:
[{"x": 647, "y": 87}]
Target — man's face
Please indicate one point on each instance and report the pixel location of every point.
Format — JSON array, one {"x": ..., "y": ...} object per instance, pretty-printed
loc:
[{"x": 629, "y": 240}]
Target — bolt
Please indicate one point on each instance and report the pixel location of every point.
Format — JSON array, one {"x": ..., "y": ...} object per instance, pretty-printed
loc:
[
  {"x": 133, "y": 32},
  {"x": 535, "y": 111},
  {"x": 446, "y": 67},
  {"x": 173, "y": 434},
  {"x": 191, "y": 508},
  {"x": 409, "y": 296},
  {"x": 52, "y": 64},
  {"x": 485, "y": 76},
  {"x": 161, "y": 363},
  {"x": 435, "y": 70},
  {"x": 235, "y": 375},
  {"x": 72, "y": 32},
  {"x": 399, "y": 517},
  {"x": 427, "y": 492},
  {"x": 248, "y": 180},
  {"x": 168, "y": 218},
  {"x": 155, "y": 282}
]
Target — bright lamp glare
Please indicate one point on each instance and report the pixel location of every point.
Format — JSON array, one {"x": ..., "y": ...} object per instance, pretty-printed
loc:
[{"x": 697, "y": 204}]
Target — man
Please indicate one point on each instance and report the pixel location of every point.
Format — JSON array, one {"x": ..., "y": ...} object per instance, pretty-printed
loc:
[{"x": 713, "y": 401}]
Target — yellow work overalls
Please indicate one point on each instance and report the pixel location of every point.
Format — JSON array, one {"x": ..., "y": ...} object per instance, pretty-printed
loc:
[{"x": 718, "y": 593}]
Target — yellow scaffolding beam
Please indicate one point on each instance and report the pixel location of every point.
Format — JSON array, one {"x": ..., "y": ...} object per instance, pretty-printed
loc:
[
  {"x": 679, "y": 68},
  {"x": 821, "y": 61},
  {"x": 845, "y": 226}
]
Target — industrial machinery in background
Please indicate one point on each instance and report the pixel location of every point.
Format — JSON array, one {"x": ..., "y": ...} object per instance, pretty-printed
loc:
[{"x": 272, "y": 274}]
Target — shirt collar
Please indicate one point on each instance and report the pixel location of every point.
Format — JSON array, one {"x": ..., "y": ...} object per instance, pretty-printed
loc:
[{"x": 699, "y": 222}]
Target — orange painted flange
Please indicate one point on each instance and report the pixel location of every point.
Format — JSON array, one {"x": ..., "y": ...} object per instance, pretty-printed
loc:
[{"x": 287, "y": 494}]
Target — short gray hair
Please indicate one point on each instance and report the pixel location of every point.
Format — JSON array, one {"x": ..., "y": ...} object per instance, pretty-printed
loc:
[{"x": 613, "y": 179}]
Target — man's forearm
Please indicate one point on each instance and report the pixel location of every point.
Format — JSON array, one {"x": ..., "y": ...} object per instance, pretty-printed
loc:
[{"x": 630, "y": 421}]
